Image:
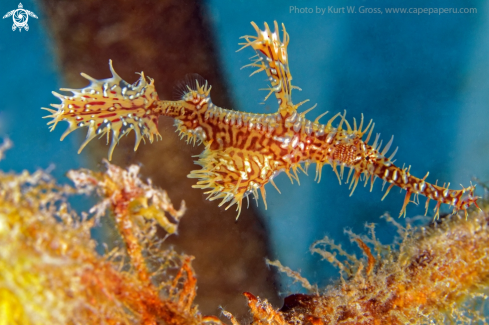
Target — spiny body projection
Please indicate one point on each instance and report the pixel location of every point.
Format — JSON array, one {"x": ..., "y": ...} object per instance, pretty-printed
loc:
[{"x": 245, "y": 151}]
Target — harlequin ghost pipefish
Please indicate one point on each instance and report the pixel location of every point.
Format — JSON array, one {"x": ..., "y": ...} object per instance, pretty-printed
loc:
[{"x": 245, "y": 151}]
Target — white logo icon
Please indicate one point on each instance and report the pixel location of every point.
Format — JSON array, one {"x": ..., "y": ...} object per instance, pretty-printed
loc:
[{"x": 20, "y": 17}]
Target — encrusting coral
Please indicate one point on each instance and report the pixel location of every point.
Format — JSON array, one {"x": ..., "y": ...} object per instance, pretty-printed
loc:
[{"x": 50, "y": 272}]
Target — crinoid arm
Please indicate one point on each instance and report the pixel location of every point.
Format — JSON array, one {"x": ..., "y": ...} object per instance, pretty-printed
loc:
[
  {"x": 109, "y": 106},
  {"x": 271, "y": 57}
]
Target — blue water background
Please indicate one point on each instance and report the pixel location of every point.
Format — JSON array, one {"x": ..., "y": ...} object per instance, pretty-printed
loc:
[
  {"x": 29, "y": 73},
  {"x": 423, "y": 78}
]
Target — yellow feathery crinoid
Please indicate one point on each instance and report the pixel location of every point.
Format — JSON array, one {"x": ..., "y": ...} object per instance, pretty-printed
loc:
[
  {"x": 109, "y": 106},
  {"x": 435, "y": 274},
  {"x": 50, "y": 272},
  {"x": 128, "y": 194}
]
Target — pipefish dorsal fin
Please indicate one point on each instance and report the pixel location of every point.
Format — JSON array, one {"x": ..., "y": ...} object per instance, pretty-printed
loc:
[{"x": 271, "y": 57}]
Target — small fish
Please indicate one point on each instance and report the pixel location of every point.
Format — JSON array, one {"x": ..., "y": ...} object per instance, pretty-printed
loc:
[{"x": 245, "y": 151}]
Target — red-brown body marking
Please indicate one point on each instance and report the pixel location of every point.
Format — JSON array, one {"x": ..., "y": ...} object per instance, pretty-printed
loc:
[{"x": 245, "y": 151}]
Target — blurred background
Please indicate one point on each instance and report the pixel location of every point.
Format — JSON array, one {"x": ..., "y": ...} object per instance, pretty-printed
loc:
[{"x": 422, "y": 78}]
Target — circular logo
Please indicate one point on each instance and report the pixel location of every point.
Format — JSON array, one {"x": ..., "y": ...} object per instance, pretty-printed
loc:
[{"x": 20, "y": 18}]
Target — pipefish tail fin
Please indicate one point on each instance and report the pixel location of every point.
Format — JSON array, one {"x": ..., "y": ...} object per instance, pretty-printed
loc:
[{"x": 109, "y": 106}]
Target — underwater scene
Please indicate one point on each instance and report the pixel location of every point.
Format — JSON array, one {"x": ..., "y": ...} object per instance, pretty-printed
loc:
[{"x": 238, "y": 162}]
